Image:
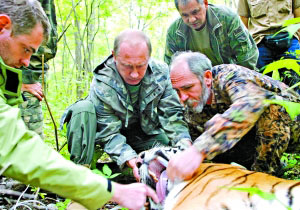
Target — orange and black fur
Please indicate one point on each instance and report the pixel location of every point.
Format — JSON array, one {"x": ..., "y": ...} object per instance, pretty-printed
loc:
[{"x": 221, "y": 186}]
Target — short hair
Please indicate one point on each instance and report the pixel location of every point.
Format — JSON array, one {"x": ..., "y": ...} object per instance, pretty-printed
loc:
[
  {"x": 184, "y": 2},
  {"x": 198, "y": 63},
  {"x": 126, "y": 35},
  {"x": 24, "y": 15}
]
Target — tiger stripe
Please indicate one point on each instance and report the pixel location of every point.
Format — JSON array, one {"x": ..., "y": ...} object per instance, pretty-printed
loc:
[{"x": 210, "y": 189}]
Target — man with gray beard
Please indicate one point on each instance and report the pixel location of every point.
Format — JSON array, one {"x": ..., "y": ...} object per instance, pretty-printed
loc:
[{"x": 228, "y": 117}]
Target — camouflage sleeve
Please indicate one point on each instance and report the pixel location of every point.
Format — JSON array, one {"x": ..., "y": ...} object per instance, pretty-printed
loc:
[
  {"x": 34, "y": 70},
  {"x": 242, "y": 44},
  {"x": 171, "y": 114},
  {"x": 170, "y": 48},
  {"x": 223, "y": 131},
  {"x": 109, "y": 126}
]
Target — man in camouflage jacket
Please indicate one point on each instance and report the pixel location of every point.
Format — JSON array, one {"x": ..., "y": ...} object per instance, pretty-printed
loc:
[
  {"x": 227, "y": 114},
  {"x": 228, "y": 39},
  {"x": 128, "y": 122},
  {"x": 31, "y": 109}
]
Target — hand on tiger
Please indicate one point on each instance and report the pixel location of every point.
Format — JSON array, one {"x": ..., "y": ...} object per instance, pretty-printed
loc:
[
  {"x": 184, "y": 164},
  {"x": 132, "y": 164},
  {"x": 133, "y": 196}
]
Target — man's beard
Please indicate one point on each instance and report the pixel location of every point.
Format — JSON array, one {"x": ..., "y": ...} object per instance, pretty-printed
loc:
[{"x": 201, "y": 102}]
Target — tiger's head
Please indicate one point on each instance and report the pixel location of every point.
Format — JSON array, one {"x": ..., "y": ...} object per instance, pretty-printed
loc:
[{"x": 152, "y": 165}]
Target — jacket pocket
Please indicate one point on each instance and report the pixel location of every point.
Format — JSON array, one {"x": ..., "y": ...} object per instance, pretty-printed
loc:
[
  {"x": 284, "y": 6},
  {"x": 242, "y": 39},
  {"x": 258, "y": 8}
]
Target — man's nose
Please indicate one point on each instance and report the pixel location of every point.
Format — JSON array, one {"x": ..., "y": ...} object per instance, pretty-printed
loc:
[
  {"x": 192, "y": 19},
  {"x": 25, "y": 62},
  {"x": 134, "y": 73},
  {"x": 183, "y": 97}
]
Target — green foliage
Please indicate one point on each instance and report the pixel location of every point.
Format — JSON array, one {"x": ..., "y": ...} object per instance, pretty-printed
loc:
[
  {"x": 292, "y": 166},
  {"x": 291, "y": 26},
  {"x": 291, "y": 22},
  {"x": 284, "y": 63},
  {"x": 291, "y": 29},
  {"x": 256, "y": 191},
  {"x": 106, "y": 172},
  {"x": 37, "y": 189},
  {"x": 292, "y": 108},
  {"x": 63, "y": 205}
]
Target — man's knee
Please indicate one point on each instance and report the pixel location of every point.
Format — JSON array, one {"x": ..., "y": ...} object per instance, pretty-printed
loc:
[{"x": 81, "y": 122}]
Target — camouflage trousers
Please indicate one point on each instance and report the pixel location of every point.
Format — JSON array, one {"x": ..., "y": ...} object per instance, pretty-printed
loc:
[
  {"x": 263, "y": 146},
  {"x": 81, "y": 122},
  {"x": 276, "y": 133},
  {"x": 31, "y": 112}
]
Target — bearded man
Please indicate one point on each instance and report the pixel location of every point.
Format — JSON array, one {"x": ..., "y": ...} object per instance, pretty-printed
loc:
[{"x": 228, "y": 116}]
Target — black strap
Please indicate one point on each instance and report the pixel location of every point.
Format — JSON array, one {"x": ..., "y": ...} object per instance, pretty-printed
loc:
[{"x": 108, "y": 185}]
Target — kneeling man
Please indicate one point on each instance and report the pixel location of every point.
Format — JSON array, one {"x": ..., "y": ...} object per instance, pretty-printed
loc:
[{"x": 227, "y": 115}]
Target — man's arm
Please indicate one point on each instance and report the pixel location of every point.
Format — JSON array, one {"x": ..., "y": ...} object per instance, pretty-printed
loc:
[
  {"x": 109, "y": 124},
  {"x": 25, "y": 157},
  {"x": 171, "y": 45},
  {"x": 242, "y": 44},
  {"x": 28, "y": 159},
  {"x": 223, "y": 131}
]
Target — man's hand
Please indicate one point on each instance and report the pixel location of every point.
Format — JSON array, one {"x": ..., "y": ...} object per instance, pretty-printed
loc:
[
  {"x": 133, "y": 196},
  {"x": 34, "y": 89},
  {"x": 185, "y": 164},
  {"x": 132, "y": 164}
]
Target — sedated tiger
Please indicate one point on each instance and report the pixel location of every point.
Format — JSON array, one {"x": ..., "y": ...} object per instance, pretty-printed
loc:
[{"x": 216, "y": 186}]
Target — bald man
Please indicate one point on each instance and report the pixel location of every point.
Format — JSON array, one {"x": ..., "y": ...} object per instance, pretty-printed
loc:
[{"x": 130, "y": 108}]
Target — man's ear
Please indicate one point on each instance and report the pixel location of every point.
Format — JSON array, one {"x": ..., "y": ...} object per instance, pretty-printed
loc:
[
  {"x": 205, "y": 3},
  {"x": 114, "y": 55},
  {"x": 5, "y": 22},
  {"x": 208, "y": 78}
]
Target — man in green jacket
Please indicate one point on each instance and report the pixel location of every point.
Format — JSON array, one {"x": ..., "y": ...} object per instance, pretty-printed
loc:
[
  {"x": 213, "y": 30},
  {"x": 31, "y": 108},
  {"x": 134, "y": 105},
  {"x": 23, "y": 156}
]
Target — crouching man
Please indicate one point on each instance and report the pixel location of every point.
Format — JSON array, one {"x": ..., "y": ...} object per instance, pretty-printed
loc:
[{"x": 228, "y": 117}]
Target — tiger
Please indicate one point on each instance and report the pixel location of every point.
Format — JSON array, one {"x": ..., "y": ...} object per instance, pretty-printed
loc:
[{"x": 215, "y": 186}]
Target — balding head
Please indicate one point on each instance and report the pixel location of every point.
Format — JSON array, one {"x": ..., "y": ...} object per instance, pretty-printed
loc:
[{"x": 133, "y": 38}]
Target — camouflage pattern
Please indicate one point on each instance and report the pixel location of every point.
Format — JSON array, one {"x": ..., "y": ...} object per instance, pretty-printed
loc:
[
  {"x": 237, "y": 108},
  {"x": 31, "y": 112},
  {"x": 31, "y": 109},
  {"x": 160, "y": 113},
  {"x": 230, "y": 40}
]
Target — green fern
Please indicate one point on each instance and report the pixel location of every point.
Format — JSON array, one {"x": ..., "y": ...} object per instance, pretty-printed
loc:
[
  {"x": 291, "y": 29},
  {"x": 284, "y": 63},
  {"x": 291, "y": 22}
]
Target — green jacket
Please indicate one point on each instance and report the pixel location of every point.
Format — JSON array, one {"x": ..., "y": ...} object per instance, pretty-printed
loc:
[
  {"x": 25, "y": 157},
  {"x": 159, "y": 108},
  {"x": 229, "y": 40},
  {"x": 34, "y": 70}
]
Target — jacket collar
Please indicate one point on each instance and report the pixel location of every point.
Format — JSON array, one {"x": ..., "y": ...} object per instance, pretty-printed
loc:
[{"x": 10, "y": 83}]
